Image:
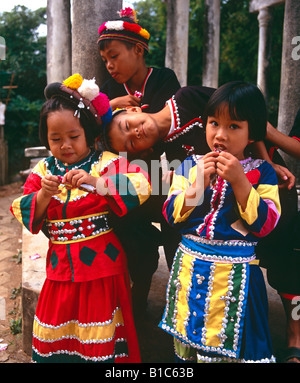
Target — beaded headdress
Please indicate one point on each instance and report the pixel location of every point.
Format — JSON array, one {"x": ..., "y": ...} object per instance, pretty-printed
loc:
[
  {"x": 86, "y": 92},
  {"x": 125, "y": 29}
]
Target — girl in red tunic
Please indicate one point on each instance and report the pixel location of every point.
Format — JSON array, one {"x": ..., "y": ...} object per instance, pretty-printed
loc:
[{"x": 84, "y": 309}]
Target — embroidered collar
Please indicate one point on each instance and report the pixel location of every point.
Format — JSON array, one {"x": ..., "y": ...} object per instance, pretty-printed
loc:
[
  {"x": 79, "y": 165},
  {"x": 176, "y": 128},
  {"x": 144, "y": 85}
]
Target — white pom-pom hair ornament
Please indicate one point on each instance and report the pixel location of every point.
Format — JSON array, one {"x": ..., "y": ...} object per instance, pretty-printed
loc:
[{"x": 89, "y": 89}]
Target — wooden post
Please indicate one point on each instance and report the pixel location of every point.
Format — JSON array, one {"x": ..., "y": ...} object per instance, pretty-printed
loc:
[
  {"x": 177, "y": 38},
  {"x": 264, "y": 19},
  {"x": 211, "y": 46},
  {"x": 289, "y": 102},
  {"x": 87, "y": 16},
  {"x": 58, "y": 40}
]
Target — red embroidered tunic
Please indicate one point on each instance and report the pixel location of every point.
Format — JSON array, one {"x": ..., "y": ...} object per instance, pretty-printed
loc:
[{"x": 82, "y": 245}]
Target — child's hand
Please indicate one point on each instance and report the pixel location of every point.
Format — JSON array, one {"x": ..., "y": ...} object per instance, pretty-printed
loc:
[
  {"x": 286, "y": 179},
  {"x": 231, "y": 170},
  {"x": 210, "y": 161},
  {"x": 77, "y": 177},
  {"x": 50, "y": 185},
  {"x": 229, "y": 167},
  {"x": 194, "y": 192},
  {"x": 125, "y": 101}
]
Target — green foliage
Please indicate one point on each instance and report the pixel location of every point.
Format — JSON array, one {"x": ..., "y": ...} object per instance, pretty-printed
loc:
[
  {"x": 21, "y": 129},
  {"x": 238, "y": 42},
  {"x": 26, "y": 59},
  {"x": 25, "y": 50},
  {"x": 16, "y": 326},
  {"x": 152, "y": 15}
]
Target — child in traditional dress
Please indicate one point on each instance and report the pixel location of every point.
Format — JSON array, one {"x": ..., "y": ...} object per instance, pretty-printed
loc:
[
  {"x": 222, "y": 203},
  {"x": 84, "y": 310},
  {"x": 123, "y": 46}
]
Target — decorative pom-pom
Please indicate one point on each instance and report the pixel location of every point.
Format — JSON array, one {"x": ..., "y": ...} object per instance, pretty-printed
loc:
[
  {"x": 144, "y": 33},
  {"x": 73, "y": 81},
  {"x": 128, "y": 12},
  {"x": 132, "y": 27},
  {"x": 102, "y": 28},
  {"x": 106, "y": 118},
  {"x": 117, "y": 25},
  {"x": 89, "y": 89},
  {"x": 101, "y": 103}
]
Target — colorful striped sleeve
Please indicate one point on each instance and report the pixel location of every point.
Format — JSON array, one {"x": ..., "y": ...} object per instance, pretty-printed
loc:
[
  {"x": 184, "y": 176},
  {"x": 263, "y": 207},
  {"x": 23, "y": 207},
  {"x": 129, "y": 186}
]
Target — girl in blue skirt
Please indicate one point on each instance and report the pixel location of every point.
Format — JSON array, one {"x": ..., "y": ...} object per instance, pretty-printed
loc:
[{"x": 222, "y": 203}]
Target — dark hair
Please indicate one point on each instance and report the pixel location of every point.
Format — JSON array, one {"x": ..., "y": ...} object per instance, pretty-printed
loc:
[
  {"x": 58, "y": 103},
  {"x": 106, "y": 139},
  {"x": 103, "y": 44},
  {"x": 245, "y": 103}
]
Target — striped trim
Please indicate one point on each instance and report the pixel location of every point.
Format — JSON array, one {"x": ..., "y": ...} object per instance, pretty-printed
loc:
[
  {"x": 65, "y": 356},
  {"x": 81, "y": 239},
  {"x": 185, "y": 284},
  {"x": 206, "y": 304},
  {"x": 117, "y": 36},
  {"x": 101, "y": 332},
  {"x": 23, "y": 210},
  {"x": 126, "y": 190},
  {"x": 144, "y": 85},
  {"x": 217, "y": 305},
  {"x": 77, "y": 218}
]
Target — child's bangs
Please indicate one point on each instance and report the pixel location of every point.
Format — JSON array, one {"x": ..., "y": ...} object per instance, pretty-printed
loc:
[{"x": 232, "y": 105}]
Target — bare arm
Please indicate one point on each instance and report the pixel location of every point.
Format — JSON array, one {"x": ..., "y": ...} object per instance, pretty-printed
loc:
[
  {"x": 124, "y": 101},
  {"x": 288, "y": 144},
  {"x": 282, "y": 172}
]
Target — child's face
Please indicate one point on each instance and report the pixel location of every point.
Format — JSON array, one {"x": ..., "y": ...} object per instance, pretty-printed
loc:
[
  {"x": 66, "y": 137},
  {"x": 122, "y": 63},
  {"x": 133, "y": 131},
  {"x": 225, "y": 134}
]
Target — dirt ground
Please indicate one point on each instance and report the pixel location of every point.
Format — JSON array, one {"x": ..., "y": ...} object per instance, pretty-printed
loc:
[{"x": 10, "y": 278}]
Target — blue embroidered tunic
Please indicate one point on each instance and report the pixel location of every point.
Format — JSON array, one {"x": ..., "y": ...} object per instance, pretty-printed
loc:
[{"x": 212, "y": 276}]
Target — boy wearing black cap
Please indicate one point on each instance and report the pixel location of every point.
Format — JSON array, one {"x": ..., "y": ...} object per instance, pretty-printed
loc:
[{"x": 123, "y": 46}]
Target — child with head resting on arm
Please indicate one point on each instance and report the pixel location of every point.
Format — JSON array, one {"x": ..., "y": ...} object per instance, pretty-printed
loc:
[
  {"x": 222, "y": 203},
  {"x": 84, "y": 310}
]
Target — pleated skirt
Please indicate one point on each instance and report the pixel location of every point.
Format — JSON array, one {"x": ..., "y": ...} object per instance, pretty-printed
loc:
[{"x": 81, "y": 322}]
